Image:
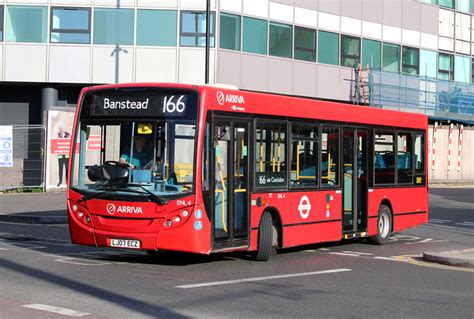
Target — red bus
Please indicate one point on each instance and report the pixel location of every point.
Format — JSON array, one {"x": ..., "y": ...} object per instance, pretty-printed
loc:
[{"x": 207, "y": 169}]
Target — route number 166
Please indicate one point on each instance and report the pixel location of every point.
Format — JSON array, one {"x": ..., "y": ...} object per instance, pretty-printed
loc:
[{"x": 169, "y": 106}]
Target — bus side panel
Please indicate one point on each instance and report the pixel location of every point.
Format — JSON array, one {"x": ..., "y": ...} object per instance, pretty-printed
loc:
[
  {"x": 307, "y": 217},
  {"x": 409, "y": 202}
]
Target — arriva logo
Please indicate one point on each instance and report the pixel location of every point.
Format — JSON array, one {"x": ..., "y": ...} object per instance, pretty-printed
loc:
[
  {"x": 229, "y": 98},
  {"x": 112, "y": 209}
]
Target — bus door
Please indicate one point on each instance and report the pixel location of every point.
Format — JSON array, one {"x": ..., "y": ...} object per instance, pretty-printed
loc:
[
  {"x": 355, "y": 187},
  {"x": 230, "y": 189}
]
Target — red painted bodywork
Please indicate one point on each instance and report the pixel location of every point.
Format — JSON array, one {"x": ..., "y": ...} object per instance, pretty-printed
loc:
[{"x": 318, "y": 226}]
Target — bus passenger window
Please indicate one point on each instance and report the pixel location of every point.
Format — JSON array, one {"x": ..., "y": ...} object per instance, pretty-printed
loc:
[
  {"x": 384, "y": 160},
  {"x": 330, "y": 156},
  {"x": 419, "y": 159},
  {"x": 404, "y": 157},
  {"x": 270, "y": 155},
  {"x": 304, "y": 156}
]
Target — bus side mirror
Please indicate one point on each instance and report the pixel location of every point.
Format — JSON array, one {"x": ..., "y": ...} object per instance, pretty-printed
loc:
[{"x": 114, "y": 174}]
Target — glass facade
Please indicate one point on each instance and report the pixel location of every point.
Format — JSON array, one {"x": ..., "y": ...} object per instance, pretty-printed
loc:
[
  {"x": 230, "y": 32},
  {"x": 391, "y": 57},
  {"x": 410, "y": 60},
  {"x": 305, "y": 44},
  {"x": 445, "y": 66},
  {"x": 462, "y": 70},
  {"x": 328, "y": 47},
  {"x": 70, "y": 25},
  {"x": 463, "y": 5},
  {"x": 113, "y": 26},
  {"x": 281, "y": 40},
  {"x": 350, "y": 51},
  {"x": 254, "y": 38},
  {"x": 26, "y": 24},
  {"x": 156, "y": 27},
  {"x": 193, "y": 29},
  {"x": 446, "y": 3},
  {"x": 428, "y": 63},
  {"x": 1, "y": 24},
  {"x": 371, "y": 53}
]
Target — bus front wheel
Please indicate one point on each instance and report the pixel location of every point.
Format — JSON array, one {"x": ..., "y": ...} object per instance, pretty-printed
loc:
[
  {"x": 265, "y": 237},
  {"x": 384, "y": 226}
]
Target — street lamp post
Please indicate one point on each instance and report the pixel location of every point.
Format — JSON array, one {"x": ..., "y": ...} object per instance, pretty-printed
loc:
[{"x": 208, "y": 36}]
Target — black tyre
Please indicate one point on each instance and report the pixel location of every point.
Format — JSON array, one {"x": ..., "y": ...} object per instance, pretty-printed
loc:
[
  {"x": 265, "y": 237},
  {"x": 384, "y": 226}
]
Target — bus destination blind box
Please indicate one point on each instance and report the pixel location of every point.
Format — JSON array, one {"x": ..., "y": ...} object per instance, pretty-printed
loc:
[{"x": 143, "y": 105}]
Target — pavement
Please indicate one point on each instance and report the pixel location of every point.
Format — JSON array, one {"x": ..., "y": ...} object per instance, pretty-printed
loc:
[
  {"x": 34, "y": 208},
  {"x": 50, "y": 208}
]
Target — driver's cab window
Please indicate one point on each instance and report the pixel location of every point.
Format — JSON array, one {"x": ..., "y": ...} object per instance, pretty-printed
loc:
[{"x": 155, "y": 155}]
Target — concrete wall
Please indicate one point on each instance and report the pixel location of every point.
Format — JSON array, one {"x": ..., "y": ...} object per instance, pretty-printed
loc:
[{"x": 440, "y": 170}]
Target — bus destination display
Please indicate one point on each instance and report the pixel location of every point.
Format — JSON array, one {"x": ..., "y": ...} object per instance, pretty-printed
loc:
[{"x": 146, "y": 105}]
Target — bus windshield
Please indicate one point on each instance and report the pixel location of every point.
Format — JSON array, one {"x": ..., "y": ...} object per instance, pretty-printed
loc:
[{"x": 135, "y": 142}]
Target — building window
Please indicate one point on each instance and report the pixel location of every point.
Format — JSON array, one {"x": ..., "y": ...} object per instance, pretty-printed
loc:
[
  {"x": 404, "y": 158},
  {"x": 304, "y": 155},
  {"x": 270, "y": 150},
  {"x": 462, "y": 70},
  {"x": 384, "y": 161},
  {"x": 445, "y": 66},
  {"x": 463, "y": 5},
  {"x": 446, "y": 3},
  {"x": 305, "y": 44},
  {"x": 428, "y": 63},
  {"x": 70, "y": 25},
  {"x": 113, "y": 26},
  {"x": 156, "y": 27},
  {"x": 1, "y": 24},
  {"x": 254, "y": 38},
  {"x": 281, "y": 40},
  {"x": 410, "y": 60},
  {"x": 193, "y": 29},
  {"x": 350, "y": 51},
  {"x": 26, "y": 24},
  {"x": 328, "y": 47},
  {"x": 329, "y": 156},
  {"x": 371, "y": 53},
  {"x": 230, "y": 32},
  {"x": 391, "y": 57},
  {"x": 472, "y": 70}
]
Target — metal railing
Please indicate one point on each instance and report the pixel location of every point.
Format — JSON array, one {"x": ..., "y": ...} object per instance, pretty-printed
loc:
[{"x": 28, "y": 170}]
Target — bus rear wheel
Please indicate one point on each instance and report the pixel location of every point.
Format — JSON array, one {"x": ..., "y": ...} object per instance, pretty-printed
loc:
[
  {"x": 265, "y": 237},
  {"x": 384, "y": 226}
]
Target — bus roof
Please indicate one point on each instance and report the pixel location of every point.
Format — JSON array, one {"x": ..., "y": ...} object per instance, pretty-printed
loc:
[{"x": 226, "y": 99}]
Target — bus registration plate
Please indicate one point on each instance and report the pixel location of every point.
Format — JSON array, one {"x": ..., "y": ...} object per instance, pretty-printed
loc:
[{"x": 125, "y": 243}]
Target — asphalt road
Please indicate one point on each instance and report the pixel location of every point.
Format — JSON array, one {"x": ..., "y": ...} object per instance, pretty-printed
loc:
[{"x": 42, "y": 274}]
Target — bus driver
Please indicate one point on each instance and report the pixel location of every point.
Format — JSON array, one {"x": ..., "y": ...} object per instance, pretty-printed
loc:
[{"x": 142, "y": 156}]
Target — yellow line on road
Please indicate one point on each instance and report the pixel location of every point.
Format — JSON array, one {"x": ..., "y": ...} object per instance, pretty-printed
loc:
[{"x": 417, "y": 260}]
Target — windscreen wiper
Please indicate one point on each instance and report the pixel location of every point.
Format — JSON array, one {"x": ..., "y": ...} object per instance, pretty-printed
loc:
[{"x": 160, "y": 201}]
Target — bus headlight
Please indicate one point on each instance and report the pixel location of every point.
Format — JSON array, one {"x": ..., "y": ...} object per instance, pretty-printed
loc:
[
  {"x": 80, "y": 214},
  {"x": 74, "y": 208},
  {"x": 185, "y": 213},
  {"x": 177, "y": 219}
]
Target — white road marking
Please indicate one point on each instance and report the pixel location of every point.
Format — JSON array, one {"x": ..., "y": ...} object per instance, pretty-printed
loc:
[
  {"x": 1, "y": 248},
  {"x": 386, "y": 258},
  {"x": 324, "y": 249},
  {"x": 357, "y": 252},
  {"x": 59, "y": 310},
  {"x": 465, "y": 224},
  {"x": 236, "y": 281},
  {"x": 82, "y": 261},
  {"x": 440, "y": 220},
  {"x": 344, "y": 254}
]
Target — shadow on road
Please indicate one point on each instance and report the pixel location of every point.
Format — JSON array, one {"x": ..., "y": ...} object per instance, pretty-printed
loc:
[{"x": 96, "y": 292}]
